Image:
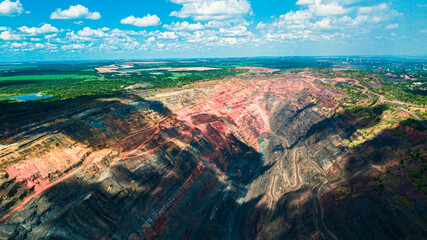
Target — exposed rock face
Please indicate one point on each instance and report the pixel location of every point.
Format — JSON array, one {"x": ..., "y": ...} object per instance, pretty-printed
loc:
[{"x": 239, "y": 159}]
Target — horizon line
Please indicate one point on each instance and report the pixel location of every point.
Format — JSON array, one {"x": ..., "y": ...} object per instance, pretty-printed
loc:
[{"x": 421, "y": 57}]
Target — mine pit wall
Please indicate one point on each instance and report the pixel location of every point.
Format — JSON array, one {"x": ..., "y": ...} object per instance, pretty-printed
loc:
[
  {"x": 315, "y": 144},
  {"x": 161, "y": 194},
  {"x": 188, "y": 168},
  {"x": 288, "y": 210},
  {"x": 155, "y": 188}
]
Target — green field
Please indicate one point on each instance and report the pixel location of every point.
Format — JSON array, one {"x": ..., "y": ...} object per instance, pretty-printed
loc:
[
  {"x": 78, "y": 84},
  {"x": 47, "y": 77},
  {"x": 177, "y": 75},
  {"x": 17, "y": 66}
]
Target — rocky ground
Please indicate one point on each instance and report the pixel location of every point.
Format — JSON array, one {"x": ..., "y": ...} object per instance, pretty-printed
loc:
[{"x": 262, "y": 156}]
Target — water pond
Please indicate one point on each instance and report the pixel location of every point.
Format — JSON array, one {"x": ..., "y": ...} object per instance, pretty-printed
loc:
[{"x": 26, "y": 98}]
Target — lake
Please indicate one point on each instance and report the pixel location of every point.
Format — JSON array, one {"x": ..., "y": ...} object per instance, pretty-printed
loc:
[{"x": 26, "y": 98}]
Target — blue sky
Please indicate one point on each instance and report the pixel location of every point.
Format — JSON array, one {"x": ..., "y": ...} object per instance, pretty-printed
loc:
[{"x": 141, "y": 29}]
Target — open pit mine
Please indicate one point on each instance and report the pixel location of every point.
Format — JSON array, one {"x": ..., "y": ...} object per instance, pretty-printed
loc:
[{"x": 256, "y": 156}]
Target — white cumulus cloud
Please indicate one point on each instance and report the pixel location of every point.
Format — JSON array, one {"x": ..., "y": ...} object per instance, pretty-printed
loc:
[
  {"x": 184, "y": 26},
  {"x": 329, "y": 9},
  {"x": 149, "y": 20},
  {"x": 322, "y": 24},
  {"x": 234, "y": 31},
  {"x": 74, "y": 12},
  {"x": 8, "y": 35},
  {"x": 46, "y": 28},
  {"x": 392, "y": 26},
  {"x": 294, "y": 20},
  {"x": 39, "y": 45},
  {"x": 329, "y": 19},
  {"x": 16, "y": 45},
  {"x": 50, "y": 36},
  {"x": 261, "y": 25},
  {"x": 73, "y": 47},
  {"x": 371, "y": 9},
  {"x": 88, "y": 32},
  {"x": 9, "y": 8},
  {"x": 304, "y": 2},
  {"x": 212, "y": 9},
  {"x": 167, "y": 35}
]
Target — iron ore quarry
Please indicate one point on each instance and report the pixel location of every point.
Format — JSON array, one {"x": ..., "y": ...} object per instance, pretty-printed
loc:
[{"x": 265, "y": 154}]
